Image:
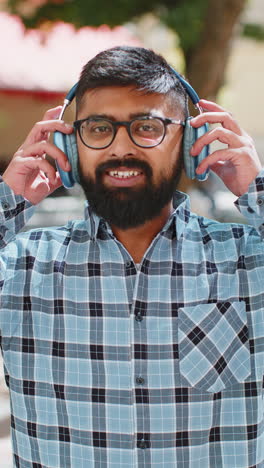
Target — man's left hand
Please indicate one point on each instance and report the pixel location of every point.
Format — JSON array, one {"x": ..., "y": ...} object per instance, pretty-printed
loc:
[{"x": 238, "y": 164}]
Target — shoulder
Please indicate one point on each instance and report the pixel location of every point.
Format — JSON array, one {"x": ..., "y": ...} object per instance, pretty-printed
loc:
[
  {"x": 48, "y": 241},
  {"x": 215, "y": 234}
]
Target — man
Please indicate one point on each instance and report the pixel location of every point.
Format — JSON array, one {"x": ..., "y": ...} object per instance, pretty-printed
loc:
[{"x": 134, "y": 337}]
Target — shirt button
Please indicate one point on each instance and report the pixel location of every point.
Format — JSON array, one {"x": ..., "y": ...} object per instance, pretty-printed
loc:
[
  {"x": 128, "y": 264},
  {"x": 260, "y": 201},
  {"x": 138, "y": 317},
  {"x": 143, "y": 444},
  {"x": 5, "y": 205},
  {"x": 140, "y": 380}
]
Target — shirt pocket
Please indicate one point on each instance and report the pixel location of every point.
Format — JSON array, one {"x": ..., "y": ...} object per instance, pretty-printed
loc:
[{"x": 213, "y": 345}]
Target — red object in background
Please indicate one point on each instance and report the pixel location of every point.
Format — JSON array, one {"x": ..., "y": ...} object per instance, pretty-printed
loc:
[{"x": 50, "y": 61}]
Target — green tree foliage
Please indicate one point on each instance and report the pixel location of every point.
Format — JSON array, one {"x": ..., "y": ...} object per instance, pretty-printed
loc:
[
  {"x": 91, "y": 12},
  {"x": 254, "y": 31},
  {"x": 185, "y": 17}
]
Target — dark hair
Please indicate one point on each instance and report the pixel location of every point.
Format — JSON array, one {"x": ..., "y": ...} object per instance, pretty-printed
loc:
[{"x": 126, "y": 66}]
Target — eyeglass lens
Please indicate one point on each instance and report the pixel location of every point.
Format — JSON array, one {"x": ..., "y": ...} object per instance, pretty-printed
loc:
[{"x": 99, "y": 133}]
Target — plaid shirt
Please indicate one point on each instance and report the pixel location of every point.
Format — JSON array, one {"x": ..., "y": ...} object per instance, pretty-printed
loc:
[{"x": 114, "y": 365}]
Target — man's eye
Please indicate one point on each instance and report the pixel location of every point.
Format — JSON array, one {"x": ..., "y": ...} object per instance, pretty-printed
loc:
[
  {"x": 96, "y": 128},
  {"x": 148, "y": 128},
  {"x": 100, "y": 129}
]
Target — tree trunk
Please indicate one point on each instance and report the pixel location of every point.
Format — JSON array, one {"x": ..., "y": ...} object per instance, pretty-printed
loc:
[{"x": 206, "y": 63}]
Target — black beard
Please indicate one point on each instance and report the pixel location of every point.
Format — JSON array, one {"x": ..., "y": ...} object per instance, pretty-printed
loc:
[{"x": 129, "y": 207}]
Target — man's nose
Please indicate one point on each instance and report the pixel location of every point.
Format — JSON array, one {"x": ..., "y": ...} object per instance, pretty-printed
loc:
[{"x": 122, "y": 143}]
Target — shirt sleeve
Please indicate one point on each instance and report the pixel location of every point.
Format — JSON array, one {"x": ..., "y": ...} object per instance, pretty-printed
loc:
[
  {"x": 15, "y": 211},
  {"x": 251, "y": 204}
]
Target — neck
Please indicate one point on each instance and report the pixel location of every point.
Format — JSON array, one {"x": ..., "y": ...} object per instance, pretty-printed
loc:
[{"x": 137, "y": 240}]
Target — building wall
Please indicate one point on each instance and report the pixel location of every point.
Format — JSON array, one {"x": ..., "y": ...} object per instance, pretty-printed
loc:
[
  {"x": 18, "y": 113},
  {"x": 243, "y": 93}
]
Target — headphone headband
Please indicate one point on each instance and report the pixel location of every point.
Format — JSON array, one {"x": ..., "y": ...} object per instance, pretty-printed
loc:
[{"x": 188, "y": 88}]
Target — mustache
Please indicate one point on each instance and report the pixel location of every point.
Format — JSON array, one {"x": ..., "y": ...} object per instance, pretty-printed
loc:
[{"x": 130, "y": 163}]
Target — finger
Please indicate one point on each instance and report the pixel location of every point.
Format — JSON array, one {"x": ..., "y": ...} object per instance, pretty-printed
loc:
[
  {"x": 38, "y": 186},
  {"x": 210, "y": 106},
  {"x": 52, "y": 114},
  {"x": 223, "y": 118},
  {"x": 218, "y": 134},
  {"x": 41, "y": 149},
  {"x": 56, "y": 183},
  {"x": 33, "y": 166},
  {"x": 233, "y": 155},
  {"x": 42, "y": 129},
  {"x": 38, "y": 132}
]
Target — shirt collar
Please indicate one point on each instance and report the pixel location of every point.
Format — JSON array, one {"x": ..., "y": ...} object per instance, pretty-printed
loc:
[{"x": 179, "y": 217}]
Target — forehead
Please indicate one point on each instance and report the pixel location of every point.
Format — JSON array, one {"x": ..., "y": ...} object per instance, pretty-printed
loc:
[{"x": 121, "y": 102}]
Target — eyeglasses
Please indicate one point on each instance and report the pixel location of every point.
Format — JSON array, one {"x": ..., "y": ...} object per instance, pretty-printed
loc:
[{"x": 146, "y": 132}]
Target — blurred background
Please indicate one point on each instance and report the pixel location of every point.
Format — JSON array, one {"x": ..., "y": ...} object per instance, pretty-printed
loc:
[{"x": 217, "y": 45}]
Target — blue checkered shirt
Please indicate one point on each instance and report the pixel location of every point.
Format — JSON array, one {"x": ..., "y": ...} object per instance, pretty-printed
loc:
[{"x": 114, "y": 365}]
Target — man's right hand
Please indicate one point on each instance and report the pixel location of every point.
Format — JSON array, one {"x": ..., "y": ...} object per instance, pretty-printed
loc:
[{"x": 29, "y": 174}]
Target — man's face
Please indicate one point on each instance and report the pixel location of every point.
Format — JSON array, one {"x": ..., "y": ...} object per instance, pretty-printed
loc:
[{"x": 126, "y": 184}]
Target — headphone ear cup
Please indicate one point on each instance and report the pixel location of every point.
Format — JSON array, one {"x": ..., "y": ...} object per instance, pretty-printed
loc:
[
  {"x": 68, "y": 144},
  {"x": 190, "y": 135}
]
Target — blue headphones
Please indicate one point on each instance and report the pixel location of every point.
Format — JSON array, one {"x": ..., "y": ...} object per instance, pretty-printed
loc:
[{"x": 68, "y": 144}]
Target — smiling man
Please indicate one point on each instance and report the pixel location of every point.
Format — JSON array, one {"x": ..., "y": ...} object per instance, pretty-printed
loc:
[
  {"x": 130, "y": 180},
  {"x": 133, "y": 338}
]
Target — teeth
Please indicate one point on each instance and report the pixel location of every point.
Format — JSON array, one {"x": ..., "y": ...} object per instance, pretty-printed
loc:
[{"x": 123, "y": 174}]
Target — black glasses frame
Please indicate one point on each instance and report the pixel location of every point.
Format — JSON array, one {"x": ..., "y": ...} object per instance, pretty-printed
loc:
[{"x": 127, "y": 124}]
